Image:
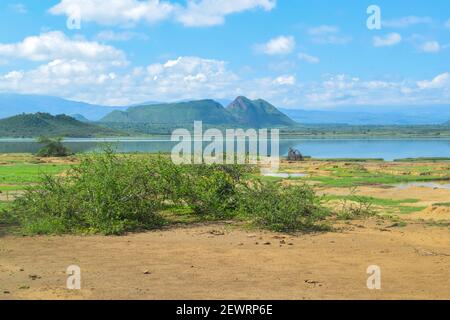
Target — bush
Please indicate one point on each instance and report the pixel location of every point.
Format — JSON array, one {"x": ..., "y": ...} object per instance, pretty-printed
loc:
[
  {"x": 52, "y": 148},
  {"x": 210, "y": 190},
  {"x": 103, "y": 194},
  {"x": 283, "y": 208}
]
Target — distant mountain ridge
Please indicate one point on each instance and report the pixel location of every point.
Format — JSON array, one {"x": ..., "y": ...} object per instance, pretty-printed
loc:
[
  {"x": 14, "y": 104},
  {"x": 45, "y": 124},
  {"x": 366, "y": 115},
  {"x": 241, "y": 112}
]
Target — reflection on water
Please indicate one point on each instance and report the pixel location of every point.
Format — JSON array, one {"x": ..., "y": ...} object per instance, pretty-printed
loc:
[
  {"x": 434, "y": 185},
  {"x": 285, "y": 175},
  {"x": 388, "y": 149}
]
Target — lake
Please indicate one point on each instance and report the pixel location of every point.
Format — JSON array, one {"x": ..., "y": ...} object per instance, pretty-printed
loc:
[{"x": 388, "y": 149}]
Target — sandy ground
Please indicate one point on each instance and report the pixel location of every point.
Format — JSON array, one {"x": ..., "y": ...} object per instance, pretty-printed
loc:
[{"x": 221, "y": 261}]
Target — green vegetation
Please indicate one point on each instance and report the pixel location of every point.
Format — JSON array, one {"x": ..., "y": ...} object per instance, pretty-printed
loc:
[
  {"x": 355, "y": 174},
  {"x": 44, "y": 124},
  {"x": 103, "y": 194},
  {"x": 112, "y": 194},
  {"x": 283, "y": 208},
  {"x": 442, "y": 204},
  {"x": 354, "y": 206},
  {"x": 52, "y": 148}
]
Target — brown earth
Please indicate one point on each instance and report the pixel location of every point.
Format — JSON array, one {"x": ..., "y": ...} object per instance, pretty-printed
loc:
[{"x": 225, "y": 261}]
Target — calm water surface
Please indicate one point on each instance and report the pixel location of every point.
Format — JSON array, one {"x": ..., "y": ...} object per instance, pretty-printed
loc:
[{"x": 388, "y": 149}]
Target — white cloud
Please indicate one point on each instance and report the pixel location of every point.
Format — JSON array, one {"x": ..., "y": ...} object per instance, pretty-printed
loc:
[
  {"x": 439, "y": 81},
  {"x": 431, "y": 47},
  {"x": 285, "y": 80},
  {"x": 388, "y": 40},
  {"x": 326, "y": 34},
  {"x": 308, "y": 58},
  {"x": 281, "y": 45},
  {"x": 56, "y": 45},
  {"x": 405, "y": 22},
  {"x": 196, "y": 13},
  {"x": 199, "y": 13},
  {"x": 116, "y": 12}
]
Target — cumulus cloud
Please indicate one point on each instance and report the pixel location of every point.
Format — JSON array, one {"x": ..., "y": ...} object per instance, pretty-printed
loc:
[
  {"x": 440, "y": 81},
  {"x": 308, "y": 58},
  {"x": 281, "y": 45},
  {"x": 56, "y": 45},
  {"x": 430, "y": 47},
  {"x": 115, "y": 12},
  {"x": 388, "y": 40},
  {"x": 326, "y": 34},
  {"x": 195, "y": 13},
  {"x": 405, "y": 22}
]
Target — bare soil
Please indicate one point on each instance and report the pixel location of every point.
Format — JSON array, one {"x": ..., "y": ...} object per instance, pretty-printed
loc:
[{"x": 225, "y": 261}]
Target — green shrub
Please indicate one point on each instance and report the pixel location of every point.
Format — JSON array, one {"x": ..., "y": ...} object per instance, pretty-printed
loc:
[
  {"x": 283, "y": 208},
  {"x": 210, "y": 190},
  {"x": 52, "y": 148},
  {"x": 103, "y": 194}
]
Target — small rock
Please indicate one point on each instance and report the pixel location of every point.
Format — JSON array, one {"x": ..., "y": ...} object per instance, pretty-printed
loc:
[
  {"x": 34, "y": 276},
  {"x": 147, "y": 272},
  {"x": 282, "y": 242},
  {"x": 6, "y": 292},
  {"x": 267, "y": 243}
]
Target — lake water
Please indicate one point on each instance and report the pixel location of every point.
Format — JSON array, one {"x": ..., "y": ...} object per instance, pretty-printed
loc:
[{"x": 388, "y": 149}]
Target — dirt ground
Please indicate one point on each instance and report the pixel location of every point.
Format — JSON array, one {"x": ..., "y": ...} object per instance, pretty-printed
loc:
[{"x": 224, "y": 261}]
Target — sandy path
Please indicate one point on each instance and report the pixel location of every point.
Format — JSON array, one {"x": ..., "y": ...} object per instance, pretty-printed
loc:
[{"x": 202, "y": 263}]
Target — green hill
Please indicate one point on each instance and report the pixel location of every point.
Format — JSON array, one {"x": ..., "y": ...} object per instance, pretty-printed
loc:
[
  {"x": 44, "y": 124},
  {"x": 240, "y": 113},
  {"x": 257, "y": 114},
  {"x": 208, "y": 111}
]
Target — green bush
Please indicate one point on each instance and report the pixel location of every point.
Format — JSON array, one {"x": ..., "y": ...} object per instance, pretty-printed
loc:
[
  {"x": 52, "y": 148},
  {"x": 283, "y": 208},
  {"x": 103, "y": 194},
  {"x": 211, "y": 190}
]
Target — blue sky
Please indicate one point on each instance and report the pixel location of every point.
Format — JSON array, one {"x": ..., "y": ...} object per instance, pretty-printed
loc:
[{"x": 296, "y": 54}]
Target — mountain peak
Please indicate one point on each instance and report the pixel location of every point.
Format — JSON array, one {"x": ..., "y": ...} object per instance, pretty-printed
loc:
[{"x": 257, "y": 113}]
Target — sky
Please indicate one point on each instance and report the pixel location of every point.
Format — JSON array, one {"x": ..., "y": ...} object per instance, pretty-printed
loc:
[{"x": 296, "y": 54}]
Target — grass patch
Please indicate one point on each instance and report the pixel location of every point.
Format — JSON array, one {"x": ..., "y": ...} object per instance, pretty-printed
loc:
[
  {"x": 372, "y": 200},
  {"x": 20, "y": 174},
  {"x": 442, "y": 204}
]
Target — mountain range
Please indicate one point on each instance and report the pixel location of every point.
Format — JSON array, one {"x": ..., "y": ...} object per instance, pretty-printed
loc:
[
  {"x": 363, "y": 115},
  {"x": 13, "y": 104},
  {"x": 45, "y": 124},
  {"x": 241, "y": 112}
]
